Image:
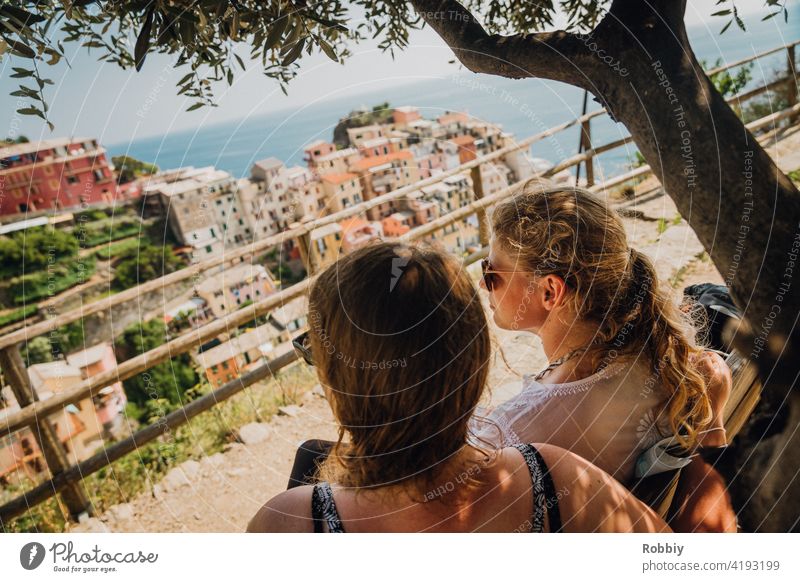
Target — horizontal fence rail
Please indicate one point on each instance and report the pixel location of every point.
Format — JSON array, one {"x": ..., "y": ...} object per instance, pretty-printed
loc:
[{"x": 34, "y": 412}]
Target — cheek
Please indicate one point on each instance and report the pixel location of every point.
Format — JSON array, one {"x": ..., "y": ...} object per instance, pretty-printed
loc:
[{"x": 511, "y": 308}]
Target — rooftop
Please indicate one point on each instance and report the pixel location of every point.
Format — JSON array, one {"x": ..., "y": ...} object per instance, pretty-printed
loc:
[
  {"x": 367, "y": 163},
  {"x": 339, "y": 178},
  {"x": 338, "y": 154},
  {"x": 250, "y": 340},
  {"x": 88, "y": 356},
  {"x": 243, "y": 272},
  {"x": 315, "y": 144},
  {"x": 35, "y": 146},
  {"x": 269, "y": 164},
  {"x": 294, "y": 309}
]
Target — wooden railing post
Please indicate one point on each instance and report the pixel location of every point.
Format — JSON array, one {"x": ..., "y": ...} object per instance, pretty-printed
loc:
[
  {"x": 307, "y": 251},
  {"x": 16, "y": 374},
  {"x": 586, "y": 145},
  {"x": 791, "y": 80},
  {"x": 483, "y": 222}
]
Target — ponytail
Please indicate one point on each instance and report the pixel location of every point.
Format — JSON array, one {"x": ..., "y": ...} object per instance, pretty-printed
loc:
[{"x": 657, "y": 327}]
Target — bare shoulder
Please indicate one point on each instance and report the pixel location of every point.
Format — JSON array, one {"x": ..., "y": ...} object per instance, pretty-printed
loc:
[
  {"x": 289, "y": 511},
  {"x": 592, "y": 500}
]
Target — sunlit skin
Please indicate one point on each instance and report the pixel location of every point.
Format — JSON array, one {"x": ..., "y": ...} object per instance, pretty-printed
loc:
[
  {"x": 521, "y": 300},
  {"x": 590, "y": 500}
]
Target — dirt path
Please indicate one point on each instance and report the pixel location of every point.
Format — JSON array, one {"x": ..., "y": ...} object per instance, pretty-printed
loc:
[{"x": 223, "y": 491}]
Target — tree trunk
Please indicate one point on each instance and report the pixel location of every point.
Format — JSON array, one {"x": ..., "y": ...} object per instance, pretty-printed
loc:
[
  {"x": 638, "y": 63},
  {"x": 744, "y": 211}
]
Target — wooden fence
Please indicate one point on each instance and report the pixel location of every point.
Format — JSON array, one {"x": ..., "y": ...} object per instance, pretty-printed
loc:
[{"x": 66, "y": 480}]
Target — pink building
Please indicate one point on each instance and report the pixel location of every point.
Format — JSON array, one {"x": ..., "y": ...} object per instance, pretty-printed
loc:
[
  {"x": 55, "y": 174},
  {"x": 316, "y": 150}
]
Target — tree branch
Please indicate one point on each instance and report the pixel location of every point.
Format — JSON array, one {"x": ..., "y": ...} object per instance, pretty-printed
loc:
[{"x": 517, "y": 56}]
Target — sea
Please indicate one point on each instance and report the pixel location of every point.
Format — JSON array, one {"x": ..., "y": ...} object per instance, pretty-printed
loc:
[{"x": 521, "y": 107}]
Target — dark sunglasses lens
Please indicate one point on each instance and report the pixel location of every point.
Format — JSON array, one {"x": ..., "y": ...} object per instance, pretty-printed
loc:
[
  {"x": 488, "y": 278},
  {"x": 303, "y": 348}
]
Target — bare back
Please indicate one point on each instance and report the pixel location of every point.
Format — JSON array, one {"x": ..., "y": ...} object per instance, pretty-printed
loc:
[{"x": 588, "y": 498}]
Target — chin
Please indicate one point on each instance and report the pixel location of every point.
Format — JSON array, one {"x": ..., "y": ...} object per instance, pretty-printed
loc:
[{"x": 499, "y": 322}]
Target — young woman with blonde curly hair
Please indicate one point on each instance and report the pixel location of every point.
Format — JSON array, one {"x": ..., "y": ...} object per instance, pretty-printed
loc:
[
  {"x": 400, "y": 342},
  {"x": 624, "y": 370}
]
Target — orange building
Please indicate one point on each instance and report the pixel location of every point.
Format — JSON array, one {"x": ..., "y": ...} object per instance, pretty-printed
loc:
[{"x": 467, "y": 150}]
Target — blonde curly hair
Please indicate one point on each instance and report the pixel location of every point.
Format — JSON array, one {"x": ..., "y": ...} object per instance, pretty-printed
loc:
[{"x": 573, "y": 234}]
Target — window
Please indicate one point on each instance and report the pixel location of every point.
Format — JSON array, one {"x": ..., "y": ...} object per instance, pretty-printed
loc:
[
  {"x": 213, "y": 234},
  {"x": 241, "y": 222},
  {"x": 208, "y": 250},
  {"x": 214, "y": 369},
  {"x": 72, "y": 180},
  {"x": 225, "y": 365}
]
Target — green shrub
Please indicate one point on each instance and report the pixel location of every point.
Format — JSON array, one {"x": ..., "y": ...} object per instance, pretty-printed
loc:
[
  {"x": 55, "y": 279},
  {"x": 18, "y": 315}
]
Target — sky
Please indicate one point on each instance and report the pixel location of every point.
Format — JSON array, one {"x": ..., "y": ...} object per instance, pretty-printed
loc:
[{"x": 95, "y": 99}]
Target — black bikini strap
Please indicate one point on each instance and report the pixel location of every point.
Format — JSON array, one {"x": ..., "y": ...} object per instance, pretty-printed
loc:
[
  {"x": 545, "y": 497},
  {"x": 551, "y": 497}
]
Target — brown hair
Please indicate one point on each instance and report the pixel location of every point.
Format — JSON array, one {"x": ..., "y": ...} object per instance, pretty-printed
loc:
[
  {"x": 573, "y": 234},
  {"x": 399, "y": 334}
]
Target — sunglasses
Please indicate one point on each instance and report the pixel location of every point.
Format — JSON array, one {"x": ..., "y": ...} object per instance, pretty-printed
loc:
[
  {"x": 490, "y": 278},
  {"x": 302, "y": 345}
]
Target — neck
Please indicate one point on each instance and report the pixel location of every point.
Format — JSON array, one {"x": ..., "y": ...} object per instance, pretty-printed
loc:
[{"x": 560, "y": 335}]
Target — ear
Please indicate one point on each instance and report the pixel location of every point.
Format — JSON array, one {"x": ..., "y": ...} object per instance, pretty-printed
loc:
[{"x": 553, "y": 290}]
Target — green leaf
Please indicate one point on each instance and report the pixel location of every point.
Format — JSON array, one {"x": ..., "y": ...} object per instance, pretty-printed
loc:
[
  {"x": 274, "y": 36},
  {"x": 20, "y": 73},
  {"x": 143, "y": 40},
  {"x": 197, "y": 105},
  {"x": 185, "y": 78},
  {"x": 230, "y": 77},
  {"x": 31, "y": 111},
  {"x": 22, "y": 50},
  {"x": 726, "y": 27},
  {"x": 239, "y": 60},
  {"x": 328, "y": 50},
  {"x": 294, "y": 53}
]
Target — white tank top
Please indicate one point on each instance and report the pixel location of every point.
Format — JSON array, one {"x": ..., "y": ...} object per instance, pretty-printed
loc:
[{"x": 608, "y": 418}]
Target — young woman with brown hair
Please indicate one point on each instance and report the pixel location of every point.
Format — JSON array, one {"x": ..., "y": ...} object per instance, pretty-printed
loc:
[
  {"x": 625, "y": 371},
  {"x": 400, "y": 342}
]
